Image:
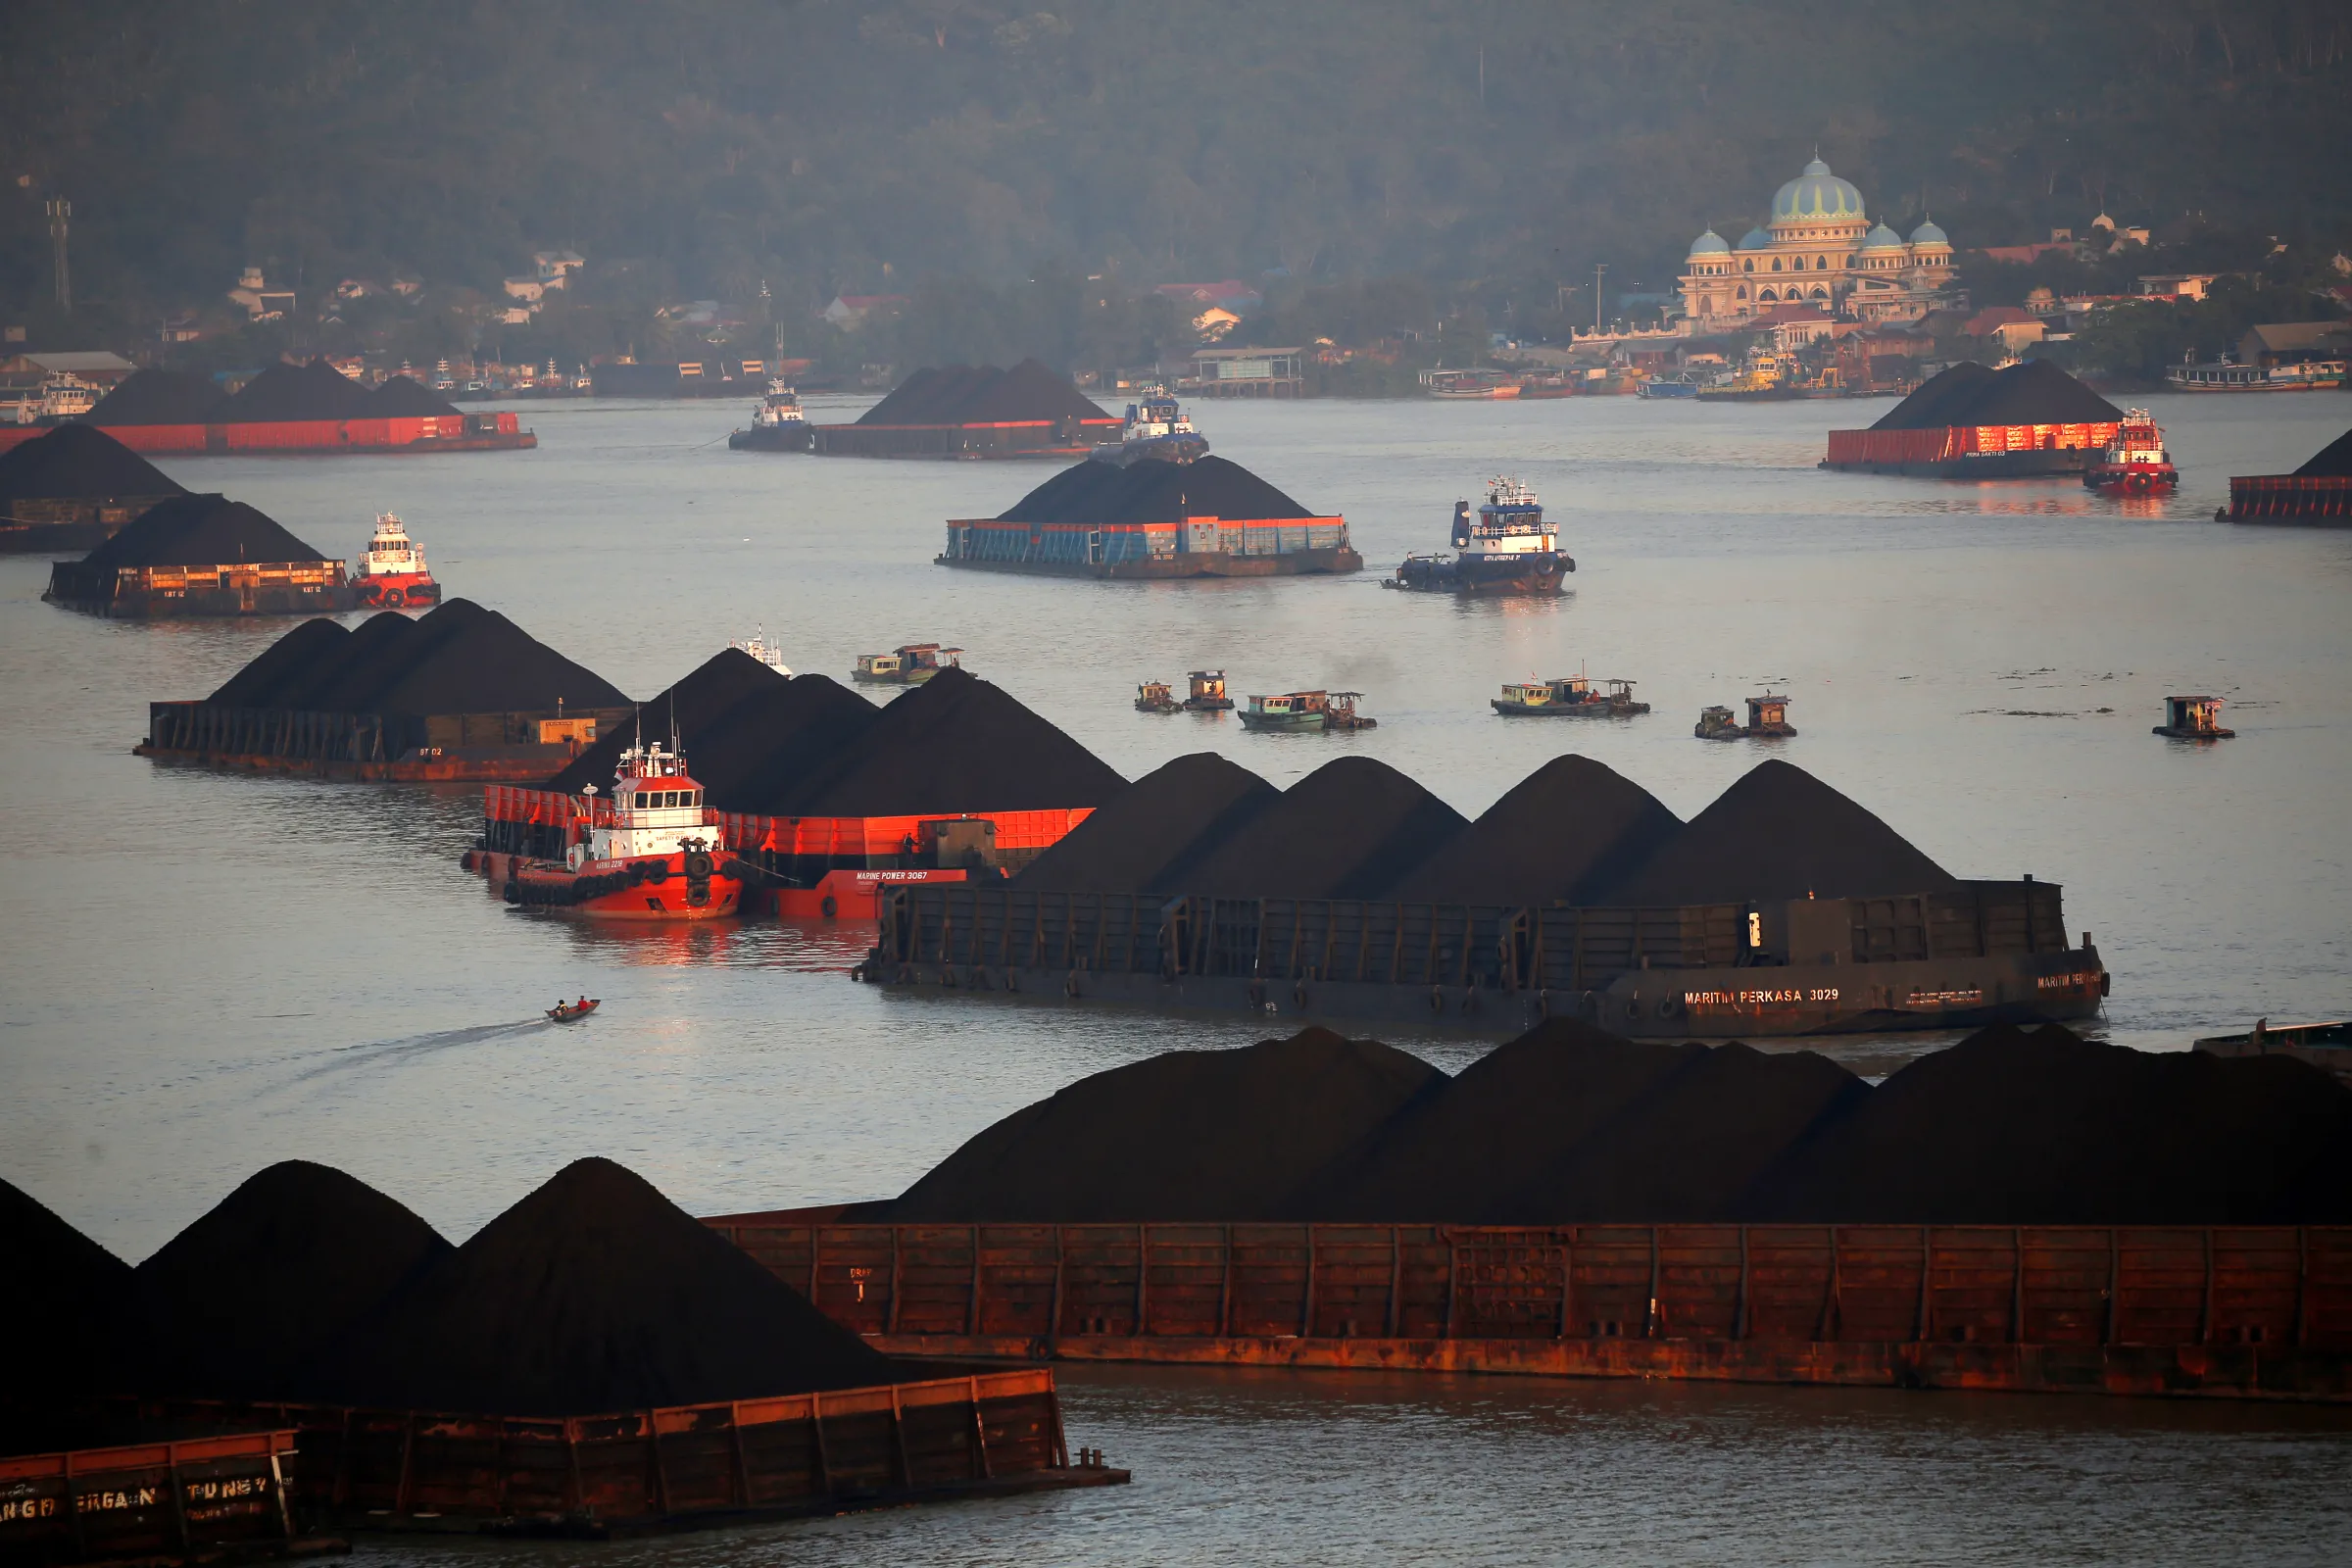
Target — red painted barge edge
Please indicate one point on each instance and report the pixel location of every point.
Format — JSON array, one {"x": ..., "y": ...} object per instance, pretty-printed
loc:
[{"x": 462, "y": 432}]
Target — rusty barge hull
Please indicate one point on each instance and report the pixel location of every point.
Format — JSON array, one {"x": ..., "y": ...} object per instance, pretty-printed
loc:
[
  {"x": 642, "y": 1472},
  {"x": 2220, "y": 1311}
]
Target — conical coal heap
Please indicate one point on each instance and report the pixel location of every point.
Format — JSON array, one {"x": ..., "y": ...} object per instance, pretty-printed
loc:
[
  {"x": 1562, "y": 834},
  {"x": 1344, "y": 831},
  {"x": 597, "y": 1293},
  {"x": 1186, "y": 1135},
  {"x": 282, "y": 1267},
  {"x": 1148, "y": 837}
]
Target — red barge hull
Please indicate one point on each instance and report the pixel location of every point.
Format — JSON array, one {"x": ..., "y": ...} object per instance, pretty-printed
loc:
[{"x": 462, "y": 432}]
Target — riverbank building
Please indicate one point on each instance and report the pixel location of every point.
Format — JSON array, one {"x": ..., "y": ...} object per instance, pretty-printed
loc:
[{"x": 1821, "y": 251}]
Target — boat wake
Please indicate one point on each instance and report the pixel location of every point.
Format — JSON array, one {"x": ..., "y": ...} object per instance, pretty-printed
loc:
[{"x": 376, "y": 1053}]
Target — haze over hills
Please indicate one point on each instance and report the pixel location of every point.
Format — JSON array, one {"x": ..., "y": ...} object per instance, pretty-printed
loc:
[{"x": 724, "y": 143}]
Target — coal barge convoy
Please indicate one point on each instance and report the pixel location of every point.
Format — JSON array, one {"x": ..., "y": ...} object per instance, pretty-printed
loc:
[
  {"x": 1784, "y": 908},
  {"x": 971, "y": 412}
]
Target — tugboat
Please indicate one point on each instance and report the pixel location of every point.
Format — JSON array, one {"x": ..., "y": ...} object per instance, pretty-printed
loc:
[
  {"x": 1208, "y": 692},
  {"x": 1308, "y": 712},
  {"x": 1153, "y": 697},
  {"x": 2136, "y": 460},
  {"x": 1567, "y": 697},
  {"x": 652, "y": 855},
  {"x": 777, "y": 422},
  {"x": 1508, "y": 549},
  {"x": 767, "y": 653},
  {"x": 61, "y": 398},
  {"x": 1157, "y": 430},
  {"x": 908, "y": 664},
  {"x": 392, "y": 575}
]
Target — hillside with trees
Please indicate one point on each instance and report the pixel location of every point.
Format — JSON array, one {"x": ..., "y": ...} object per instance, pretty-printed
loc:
[{"x": 706, "y": 148}]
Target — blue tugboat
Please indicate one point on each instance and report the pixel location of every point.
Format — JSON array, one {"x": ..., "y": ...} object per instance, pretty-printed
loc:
[
  {"x": 1156, "y": 428},
  {"x": 1506, "y": 549}
]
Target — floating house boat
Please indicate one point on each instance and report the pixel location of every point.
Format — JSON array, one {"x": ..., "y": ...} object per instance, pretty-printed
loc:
[
  {"x": 1149, "y": 520},
  {"x": 2193, "y": 717},
  {"x": 1310, "y": 713},
  {"x": 1206, "y": 691},
  {"x": 908, "y": 664},
  {"x": 1567, "y": 697},
  {"x": 1767, "y": 720},
  {"x": 1153, "y": 697},
  {"x": 1506, "y": 549}
]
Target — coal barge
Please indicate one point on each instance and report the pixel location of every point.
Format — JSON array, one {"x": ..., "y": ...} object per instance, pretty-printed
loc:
[
  {"x": 197, "y": 556},
  {"x": 2028, "y": 421},
  {"x": 2320, "y": 491},
  {"x": 74, "y": 488},
  {"x": 1153, "y": 520},
  {"x": 288, "y": 411},
  {"x": 965, "y": 410},
  {"x": 1784, "y": 909}
]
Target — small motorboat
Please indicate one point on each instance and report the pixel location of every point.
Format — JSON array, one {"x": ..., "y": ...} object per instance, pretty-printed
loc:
[{"x": 573, "y": 1012}]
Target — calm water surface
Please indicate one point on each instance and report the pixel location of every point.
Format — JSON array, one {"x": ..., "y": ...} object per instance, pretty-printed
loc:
[{"x": 202, "y": 974}]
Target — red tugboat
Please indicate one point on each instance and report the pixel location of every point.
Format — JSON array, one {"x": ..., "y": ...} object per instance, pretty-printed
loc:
[
  {"x": 652, "y": 853},
  {"x": 392, "y": 575},
  {"x": 2136, "y": 460}
]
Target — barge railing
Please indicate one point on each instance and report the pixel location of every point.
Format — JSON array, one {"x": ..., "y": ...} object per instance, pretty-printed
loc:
[
  {"x": 190, "y": 1499},
  {"x": 2248, "y": 1311}
]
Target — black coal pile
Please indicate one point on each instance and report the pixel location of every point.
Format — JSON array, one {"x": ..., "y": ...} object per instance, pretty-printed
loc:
[
  {"x": 159, "y": 397},
  {"x": 1475, "y": 1151},
  {"x": 313, "y": 391},
  {"x": 597, "y": 1293},
  {"x": 69, "y": 1313},
  {"x": 286, "y": 666},
  {"x": 956, "y": 743},
  {"x": 1562, "y": 834},
  {"x": 1098, "y": 493},
  {"x": 1933, "y": 402},
  {"x": 763, "y": 751},
  {"x": 2044, "y": 1128},
  {"x": 2028, "y": 392},
  {"x": 1188, "y": 1134},
  {"x": 458, "y": 658},
  {"x": 688, "y": 709},
  {"x": 285, "y": 1265},
  {"x": 404, "y": 397},
  {"x": 1345, "y": 831},
  {"x": 2332, "y": 461},
  {"x": 200, "y": 530},
  {"x": 1689, "y": 1149},
  {"x": 1779, "y": 833},
  {"x": 79, "y": 463},
  {"x": 982, "y": 394},
  {"x": 1149, "y": 836}
]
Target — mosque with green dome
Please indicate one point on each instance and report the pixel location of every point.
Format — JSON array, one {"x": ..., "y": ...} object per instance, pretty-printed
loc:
[{"x": 1821, "y": 250}]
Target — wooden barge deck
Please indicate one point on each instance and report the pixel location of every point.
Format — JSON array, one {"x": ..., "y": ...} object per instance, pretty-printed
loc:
[
  {"x": 639, "y": 1472},
  {"x": 2259, "y": 1312}
]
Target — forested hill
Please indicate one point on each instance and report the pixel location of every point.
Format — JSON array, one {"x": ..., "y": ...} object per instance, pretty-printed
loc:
[{"x": 727, "y": 141}]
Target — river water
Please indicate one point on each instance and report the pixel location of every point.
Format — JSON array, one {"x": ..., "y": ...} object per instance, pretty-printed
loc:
[{"x": 204, "y": 974}]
